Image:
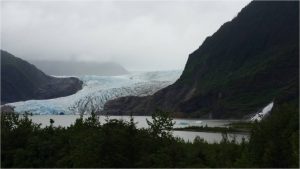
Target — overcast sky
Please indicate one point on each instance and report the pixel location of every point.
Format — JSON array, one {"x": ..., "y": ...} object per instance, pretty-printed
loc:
[{"x": 148, "y": 35}]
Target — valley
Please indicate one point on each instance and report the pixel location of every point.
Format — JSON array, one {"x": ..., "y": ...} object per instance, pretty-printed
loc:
[
  {"x": 70, "y": 104},
  {"x": 97, "y": 90}
]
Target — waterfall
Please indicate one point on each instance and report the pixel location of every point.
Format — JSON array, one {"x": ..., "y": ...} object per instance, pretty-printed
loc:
[{"x": 261, "y": 114}]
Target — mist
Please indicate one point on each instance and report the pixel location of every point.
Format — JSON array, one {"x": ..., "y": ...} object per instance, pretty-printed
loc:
[{"x": 147, "y": 35}]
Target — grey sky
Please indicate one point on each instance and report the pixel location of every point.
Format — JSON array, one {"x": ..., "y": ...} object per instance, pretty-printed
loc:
[{"x": 147, "y": 35}]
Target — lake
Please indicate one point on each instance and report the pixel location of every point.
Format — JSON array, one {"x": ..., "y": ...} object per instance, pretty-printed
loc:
[{"x": 67, "y": 120}]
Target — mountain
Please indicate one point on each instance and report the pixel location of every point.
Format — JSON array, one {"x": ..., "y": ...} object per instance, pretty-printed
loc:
[
  {"x": 21, "y": 81},
  {"x": 248, "y": 63},
  {"x": 75, "y": 68}
]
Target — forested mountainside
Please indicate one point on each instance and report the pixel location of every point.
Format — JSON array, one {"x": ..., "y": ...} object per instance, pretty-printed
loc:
[
  {"x": 248, "y": 63},
  {"x": 21, "y": 81}
]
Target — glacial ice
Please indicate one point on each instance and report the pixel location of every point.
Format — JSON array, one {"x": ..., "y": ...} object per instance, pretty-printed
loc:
[{"x": 102, "y": 89}]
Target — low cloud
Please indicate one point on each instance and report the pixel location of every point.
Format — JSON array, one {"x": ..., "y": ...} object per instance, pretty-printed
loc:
[{"x": 147, "y": 35}]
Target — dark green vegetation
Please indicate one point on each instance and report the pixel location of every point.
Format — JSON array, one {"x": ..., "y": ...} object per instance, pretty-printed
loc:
[
  {"x": 249, "y": 62},
  {"x": 21, "y": 80},
  {"x": 87, "y": 143}
]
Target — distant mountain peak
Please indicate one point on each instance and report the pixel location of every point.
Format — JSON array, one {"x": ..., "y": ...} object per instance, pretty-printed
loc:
[{"x": 78, "y": 68}]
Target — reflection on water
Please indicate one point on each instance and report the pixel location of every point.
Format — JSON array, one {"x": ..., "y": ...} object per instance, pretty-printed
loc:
[{"x": 67, "y": 120}]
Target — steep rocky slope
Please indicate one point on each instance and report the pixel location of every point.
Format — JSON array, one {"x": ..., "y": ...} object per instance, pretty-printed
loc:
[
  {"x": 249, "y": 62},
  {"x": 21, "y": 81}
]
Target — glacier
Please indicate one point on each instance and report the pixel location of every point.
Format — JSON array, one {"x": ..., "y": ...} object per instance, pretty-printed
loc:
[{"x": 100, "y": 89}]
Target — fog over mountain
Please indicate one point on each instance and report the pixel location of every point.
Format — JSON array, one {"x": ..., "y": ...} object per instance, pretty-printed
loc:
[
  {"x": 76, "y": 68},
  {"x": 147, "y": 35}
]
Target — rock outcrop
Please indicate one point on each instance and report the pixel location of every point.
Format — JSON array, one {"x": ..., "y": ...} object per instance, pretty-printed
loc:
[{"x": 22, "y": 81}]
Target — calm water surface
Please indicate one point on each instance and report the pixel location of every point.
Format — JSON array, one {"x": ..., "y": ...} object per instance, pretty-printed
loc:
[{"x": 67, "y": 120}]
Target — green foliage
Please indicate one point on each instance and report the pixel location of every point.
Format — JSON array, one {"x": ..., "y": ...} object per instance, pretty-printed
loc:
[
  {"x": 162, "y": 123},
  {"x": 117, "y": 143},
  {"x": 275, "y": 141}
]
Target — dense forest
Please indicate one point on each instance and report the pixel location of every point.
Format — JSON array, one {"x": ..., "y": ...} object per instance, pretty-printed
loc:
[{"x": 88, "y": 143}]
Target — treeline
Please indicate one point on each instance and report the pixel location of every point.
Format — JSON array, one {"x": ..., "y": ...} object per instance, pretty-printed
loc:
[{"x": 89, "y": 144}]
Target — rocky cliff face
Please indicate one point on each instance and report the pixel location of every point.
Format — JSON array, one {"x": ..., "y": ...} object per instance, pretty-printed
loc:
[
  {"x": 21, "y": 81},
  {"x": 249, "y": 62}
]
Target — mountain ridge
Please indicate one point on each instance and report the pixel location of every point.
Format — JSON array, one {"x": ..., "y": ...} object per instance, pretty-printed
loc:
[
  {"x": 21, "y": 80},
  {"x": 238, "y": 70}
]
